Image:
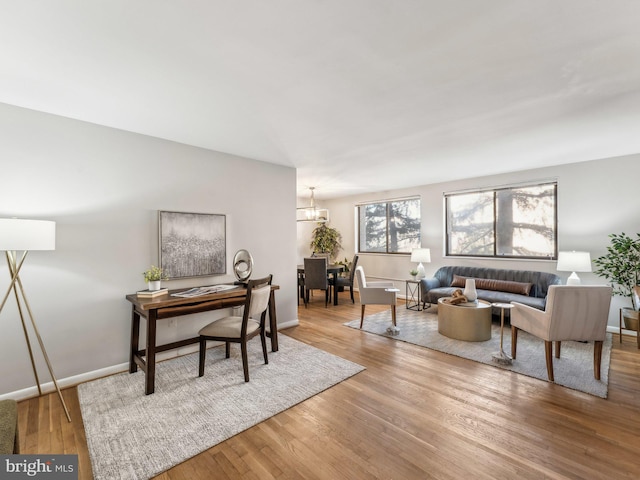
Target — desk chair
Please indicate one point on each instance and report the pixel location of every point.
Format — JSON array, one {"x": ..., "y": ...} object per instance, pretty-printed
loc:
[{"x": 241, "y": 329}]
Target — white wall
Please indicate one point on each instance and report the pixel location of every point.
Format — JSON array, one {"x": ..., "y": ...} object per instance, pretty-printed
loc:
[
  {"x": 595, "y": 198},
  {"x": 104, "y": 188}
]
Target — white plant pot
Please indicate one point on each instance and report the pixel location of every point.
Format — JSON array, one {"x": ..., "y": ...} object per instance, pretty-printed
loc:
[{"x": 155, "y": 285}]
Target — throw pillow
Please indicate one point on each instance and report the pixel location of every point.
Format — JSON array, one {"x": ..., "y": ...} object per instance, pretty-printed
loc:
[{"x": 508, "y": 286}]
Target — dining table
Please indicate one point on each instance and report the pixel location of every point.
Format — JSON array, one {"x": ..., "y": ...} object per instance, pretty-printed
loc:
[{"x": 332, "y": 269}]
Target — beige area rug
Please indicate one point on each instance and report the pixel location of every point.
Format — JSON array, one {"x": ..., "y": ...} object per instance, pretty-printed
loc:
[
  {"x": 135, "y": 436},
  {"x": 573, "y": 370}
]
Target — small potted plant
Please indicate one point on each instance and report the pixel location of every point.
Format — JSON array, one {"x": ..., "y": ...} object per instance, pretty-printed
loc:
[
  {"x": 413, "y": 273},
  {"x": 154, "y": 277}
]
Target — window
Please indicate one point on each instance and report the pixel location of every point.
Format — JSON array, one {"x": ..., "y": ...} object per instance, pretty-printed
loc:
[
  {"x": 389, "y": 227},
  {"x": 508, "y": 222}
]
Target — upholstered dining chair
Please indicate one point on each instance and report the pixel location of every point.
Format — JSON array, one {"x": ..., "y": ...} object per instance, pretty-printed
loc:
[
  {"x": 240, "y": 330},
  {"x": 347, "y": 281},
  {"x": 315, "y": 277},
  {"x": 577, "y": 313},
  {"x": 377, "y": 293}
]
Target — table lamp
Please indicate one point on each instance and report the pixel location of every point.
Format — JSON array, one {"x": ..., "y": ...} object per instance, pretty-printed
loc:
[
  {"x": 420, "y": 255},
  {"x": 574, "y": 262},
  {"x": 24, "y": 235}
]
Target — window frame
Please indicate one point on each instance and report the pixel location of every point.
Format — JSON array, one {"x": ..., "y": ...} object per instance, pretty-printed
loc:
[
  {"x": 388, "y": 203},
  {"x": 494, "y": 190}
]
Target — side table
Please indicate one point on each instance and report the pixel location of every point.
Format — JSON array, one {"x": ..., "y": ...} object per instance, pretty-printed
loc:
[
  {"x": 413, "y": 295},
  {"x": 500, "y": 356}
]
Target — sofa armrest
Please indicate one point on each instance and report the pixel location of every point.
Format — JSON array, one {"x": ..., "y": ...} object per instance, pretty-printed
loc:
[{"x": 428, "y": 283}]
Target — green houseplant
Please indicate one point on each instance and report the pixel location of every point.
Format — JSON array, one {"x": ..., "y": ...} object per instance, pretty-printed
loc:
[
  {"x": 621, "y": 267},
  {"x": 325, "y": 239},
  {"x": 154, "y": 276}
]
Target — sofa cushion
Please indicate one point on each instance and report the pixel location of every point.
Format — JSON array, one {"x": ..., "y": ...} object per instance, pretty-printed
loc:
[
  {"x": 491, "y": 296},
  {"x": 521, "y": 288}
]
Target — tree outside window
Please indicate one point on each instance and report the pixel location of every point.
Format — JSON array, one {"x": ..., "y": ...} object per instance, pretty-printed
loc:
[
  {"x": 511, "y": 222},
  {"x": 389, "y": 227}
]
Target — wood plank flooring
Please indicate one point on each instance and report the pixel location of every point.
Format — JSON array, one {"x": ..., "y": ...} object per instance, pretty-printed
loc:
[{"x": 412, "y": 414}]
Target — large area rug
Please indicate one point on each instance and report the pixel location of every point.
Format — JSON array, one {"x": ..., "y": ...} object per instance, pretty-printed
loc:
[
  {"x": 135, "y": 436},
  {"x": 573, "y": 370}
]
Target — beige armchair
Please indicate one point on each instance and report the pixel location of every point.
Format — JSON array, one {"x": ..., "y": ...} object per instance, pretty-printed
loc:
[
  {"x": 377, "y": 293},
  {"x": 572, "y": 313}
]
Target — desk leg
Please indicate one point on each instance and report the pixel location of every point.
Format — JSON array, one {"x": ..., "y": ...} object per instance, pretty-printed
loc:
[
  {"x": 273, "y": 322},
  {"x": 150, "y": 377},
  {"x": 135, "y": 337}
]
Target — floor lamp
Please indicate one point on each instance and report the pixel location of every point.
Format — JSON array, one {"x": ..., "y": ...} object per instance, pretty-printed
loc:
[{"x": 25, "y": 235}]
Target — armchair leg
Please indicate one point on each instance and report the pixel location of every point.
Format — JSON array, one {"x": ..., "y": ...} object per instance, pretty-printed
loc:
[
  {"x": 514, "y": 341},
  {"x": 558, "y": 345},
  {"x": 597, "y": 358},
  {"x": 361, "y": 316},
  {"x": 548, "y": 347}
]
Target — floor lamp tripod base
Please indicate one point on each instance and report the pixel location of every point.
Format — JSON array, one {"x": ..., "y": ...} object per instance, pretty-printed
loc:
[{"x": 17, "y": 288}]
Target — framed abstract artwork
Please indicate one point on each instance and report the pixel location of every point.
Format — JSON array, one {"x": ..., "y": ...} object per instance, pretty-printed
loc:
[{"x": 192, "y": 244}]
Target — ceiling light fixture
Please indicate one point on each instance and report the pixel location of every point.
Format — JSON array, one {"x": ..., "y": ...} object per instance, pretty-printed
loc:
[{"x": 312, "y": 213}]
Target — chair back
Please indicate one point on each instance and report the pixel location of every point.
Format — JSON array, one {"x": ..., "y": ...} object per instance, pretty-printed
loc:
[
  {"x": 578, "y": 312},
  {"x": 257, "y": 301},
  {"x": 315, "y": 273}
]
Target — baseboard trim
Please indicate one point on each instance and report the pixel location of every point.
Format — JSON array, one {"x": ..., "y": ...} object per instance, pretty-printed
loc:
[{"x": 74, "y": 380}]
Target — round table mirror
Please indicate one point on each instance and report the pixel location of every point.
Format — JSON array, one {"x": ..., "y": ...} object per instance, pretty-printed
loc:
[{"x": 242, "y": 265}]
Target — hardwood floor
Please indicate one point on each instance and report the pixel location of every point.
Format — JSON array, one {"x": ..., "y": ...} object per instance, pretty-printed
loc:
[{"x": 412, "y": 414}]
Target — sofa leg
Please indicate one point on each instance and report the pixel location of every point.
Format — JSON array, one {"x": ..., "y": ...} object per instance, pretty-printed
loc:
[{"x": 514, "y": 341}]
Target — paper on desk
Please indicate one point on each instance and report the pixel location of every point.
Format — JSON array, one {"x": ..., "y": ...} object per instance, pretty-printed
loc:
[{"x": 199, "y": 291}]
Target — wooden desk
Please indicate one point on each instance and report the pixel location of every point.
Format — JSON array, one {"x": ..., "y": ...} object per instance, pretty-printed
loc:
[
  {"x": 332, "y": 270},
  {"x": 166, "y": 306}
]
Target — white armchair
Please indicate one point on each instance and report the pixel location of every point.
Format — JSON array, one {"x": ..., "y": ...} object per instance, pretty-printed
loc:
[
  {"x": 572, "y": 313},
  {"x": 377, "y": 293}
]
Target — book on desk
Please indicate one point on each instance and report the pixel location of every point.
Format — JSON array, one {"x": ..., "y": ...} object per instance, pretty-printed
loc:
[{"x": 152, "y": 293}]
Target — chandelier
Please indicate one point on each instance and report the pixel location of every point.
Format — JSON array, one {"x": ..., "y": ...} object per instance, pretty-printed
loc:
[{"x": 312, "y": 213}]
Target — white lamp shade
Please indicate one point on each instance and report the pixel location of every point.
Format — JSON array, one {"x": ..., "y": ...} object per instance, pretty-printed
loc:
[
  {"x": 574, "y": 262},
  {"x": 421, "y": 255},
  {"x": 20, "y": 234}
]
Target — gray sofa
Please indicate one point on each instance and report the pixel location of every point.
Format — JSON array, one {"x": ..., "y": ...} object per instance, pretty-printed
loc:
[{"x": 496, "y": 285}]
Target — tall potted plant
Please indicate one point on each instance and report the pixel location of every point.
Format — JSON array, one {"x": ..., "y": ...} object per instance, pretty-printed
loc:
[
  {"x": 621, "y": 266},
  {"x": 325, "y": 239}
]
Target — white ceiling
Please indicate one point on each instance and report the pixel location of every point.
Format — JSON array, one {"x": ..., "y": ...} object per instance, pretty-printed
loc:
[{"x": 358, "y": 95}]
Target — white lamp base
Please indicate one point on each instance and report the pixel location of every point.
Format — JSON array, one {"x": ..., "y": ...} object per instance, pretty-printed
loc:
[
  {"x": 573, "y": 279},
  {"x": 421, "y": 272}
]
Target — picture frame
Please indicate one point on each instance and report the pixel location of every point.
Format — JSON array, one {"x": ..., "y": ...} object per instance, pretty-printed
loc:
[{"x": 192, "y": 244}]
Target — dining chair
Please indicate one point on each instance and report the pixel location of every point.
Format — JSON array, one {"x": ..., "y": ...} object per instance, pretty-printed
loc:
[
  {"x": 347, "y": 281},
  {"x": 572, "y": 312},
  {"x": 235, "y": 329},
  {"x": 315, "y": 277},
  {"x": 377, "y": 293}
]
